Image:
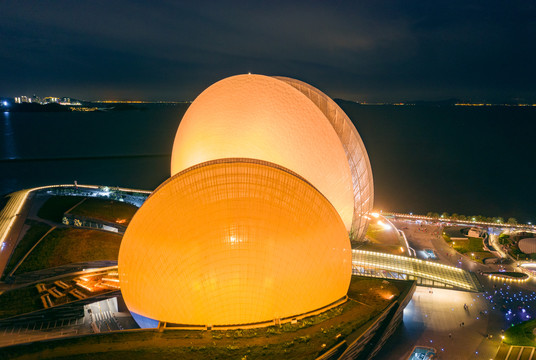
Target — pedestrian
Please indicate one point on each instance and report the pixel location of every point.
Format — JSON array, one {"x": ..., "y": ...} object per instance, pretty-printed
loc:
[{"x": 450, "y": 335}]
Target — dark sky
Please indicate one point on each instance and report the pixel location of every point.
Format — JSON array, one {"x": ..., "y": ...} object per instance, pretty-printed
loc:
[{"x": 365, "y": 51}]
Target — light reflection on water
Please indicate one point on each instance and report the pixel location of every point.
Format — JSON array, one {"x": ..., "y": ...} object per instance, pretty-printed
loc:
[{"x": 9, "y": 148}]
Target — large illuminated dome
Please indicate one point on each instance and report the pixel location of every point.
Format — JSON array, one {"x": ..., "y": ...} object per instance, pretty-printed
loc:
[
  {"x": 268, "y": 175},
  {"x": 283, "y": 121},
  {"x": 234, "y": 241}
]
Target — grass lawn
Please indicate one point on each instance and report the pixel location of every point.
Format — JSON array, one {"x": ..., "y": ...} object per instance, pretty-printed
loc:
[
  {"x": 55, "y": 206},
  {"x": 469, "y": 245},
  {"x": 302, "y": 340},
  {"x": 67, "y": 246},
  {"x": 521, "y": 334},
  {"x": 107, "y": 210},
  {"x": 35, "y": 232},
  {"x": 19, "y": 301}
]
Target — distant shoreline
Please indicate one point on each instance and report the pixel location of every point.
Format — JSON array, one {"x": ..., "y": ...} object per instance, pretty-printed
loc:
[{"x": 86, "y": 106}]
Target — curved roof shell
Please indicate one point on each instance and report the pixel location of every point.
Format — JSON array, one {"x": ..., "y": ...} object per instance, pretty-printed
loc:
[
  {"x": 264, "y": 118},
  {"x": 234, "y": 241},
  {"x": 358, "y": 160},
  {"x": 527, "y": 245}
]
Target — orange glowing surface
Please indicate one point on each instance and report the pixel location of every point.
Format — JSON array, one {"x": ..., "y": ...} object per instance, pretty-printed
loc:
[
  {"x": 260, "y": 117},
  {"x": 234, "y": 241},
  {"x": 358, "y": 160}
]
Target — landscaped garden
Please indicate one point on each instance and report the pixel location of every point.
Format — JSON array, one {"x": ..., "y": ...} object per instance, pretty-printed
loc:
[
  {"x": 106, "y": 210},
  {"x": 96, "y": 208},
  {"x": 510, "y": 244},
  {"x": 33, "y": 234},
  {"x": 69, "y": 245},
  {"x": 19, "y": 301},
  {"x": 470, "y": 246},
  {"x": 55, "y": 206}
]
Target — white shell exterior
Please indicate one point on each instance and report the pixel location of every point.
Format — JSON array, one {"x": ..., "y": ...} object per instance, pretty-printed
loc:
[
  {"x": 261, "y": 117},
  {"x": 358, "y": 160}
]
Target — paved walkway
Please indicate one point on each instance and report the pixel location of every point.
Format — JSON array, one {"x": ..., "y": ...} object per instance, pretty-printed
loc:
[{"x": 434, "y": 318}]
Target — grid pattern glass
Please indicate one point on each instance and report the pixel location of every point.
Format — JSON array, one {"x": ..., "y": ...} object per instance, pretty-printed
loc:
[
  {"x": 356, "y": 153},
  {"x": 448, "y": 275},
  {"x": 234, "y": 241}
]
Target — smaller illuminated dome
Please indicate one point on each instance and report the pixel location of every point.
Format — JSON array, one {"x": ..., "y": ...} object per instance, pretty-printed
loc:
[{"x": 234, "y": 241}]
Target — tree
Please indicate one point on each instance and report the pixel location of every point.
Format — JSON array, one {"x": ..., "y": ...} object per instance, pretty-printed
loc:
[
  {"x": 445, "y": 215},
  {"x": 512, "y": 221},
  {"x": 454, "y": 216}
]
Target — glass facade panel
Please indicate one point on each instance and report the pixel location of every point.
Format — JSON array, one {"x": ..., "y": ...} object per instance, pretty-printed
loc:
[{"x": 426, "y": 272}]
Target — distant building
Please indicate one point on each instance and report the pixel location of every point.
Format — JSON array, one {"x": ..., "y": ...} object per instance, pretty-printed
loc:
[
  {"x": 475, "y": 232},
  {"x": 50, "y": 100}
]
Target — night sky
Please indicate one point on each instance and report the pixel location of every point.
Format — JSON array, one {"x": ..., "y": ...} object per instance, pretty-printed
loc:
[
  {"x": 367, "y": 51},
  {"x": 472, "y": 161}
]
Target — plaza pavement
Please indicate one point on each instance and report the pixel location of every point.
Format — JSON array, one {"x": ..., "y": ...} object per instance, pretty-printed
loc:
[{"x": 433, "y": 318}]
